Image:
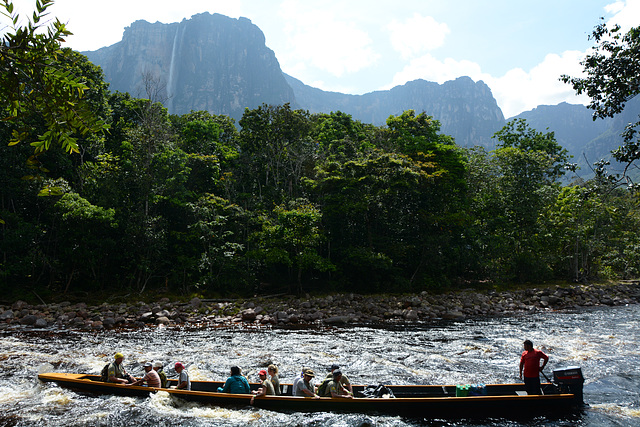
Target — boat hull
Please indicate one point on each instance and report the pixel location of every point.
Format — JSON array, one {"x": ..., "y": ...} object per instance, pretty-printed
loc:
[{"x": 501, "y": 401}]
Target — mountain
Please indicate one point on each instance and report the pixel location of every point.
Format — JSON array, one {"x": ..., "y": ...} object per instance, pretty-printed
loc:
[
  {"x": 466, "y": 110},
  {"x": 208, "y": 62},
  {"x": 586, "y": 139},
  {"x": 222, "y": 65}
]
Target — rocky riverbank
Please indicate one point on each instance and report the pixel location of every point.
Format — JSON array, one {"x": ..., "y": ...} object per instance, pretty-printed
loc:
[{"x": 338, "y": 309}]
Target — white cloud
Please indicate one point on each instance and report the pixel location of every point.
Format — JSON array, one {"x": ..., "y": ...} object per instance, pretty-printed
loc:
[
  {"x": 519, "y": 91},
  {"x": 626, "y": 13},
  {"x": 104, "y": 26},
  {"x": 429, "y": 68},
  {"x": 416, "y": 35},
  {"x": 322, "y": 39}
]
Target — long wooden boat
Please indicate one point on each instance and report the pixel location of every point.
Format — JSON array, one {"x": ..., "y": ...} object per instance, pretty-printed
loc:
[{"x": 563, "y": 396}]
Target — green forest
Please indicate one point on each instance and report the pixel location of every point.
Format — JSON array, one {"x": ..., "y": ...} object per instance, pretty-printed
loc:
[{"x": 102, "y": 192}]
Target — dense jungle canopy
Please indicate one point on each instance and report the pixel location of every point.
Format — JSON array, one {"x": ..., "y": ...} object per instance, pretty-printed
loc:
[{"x": 101, "y": 191}]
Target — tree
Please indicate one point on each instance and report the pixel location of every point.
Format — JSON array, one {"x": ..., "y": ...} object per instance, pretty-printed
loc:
[
  {"x": 518, "y": 134},
  {"x": 33, "y": 78},
  {"x": 276, "y": 152},
  {"x": 613, "y": 78},
  {"x": 292, "y": 239}
]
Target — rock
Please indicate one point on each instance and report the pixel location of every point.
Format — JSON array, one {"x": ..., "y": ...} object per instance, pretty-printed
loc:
[
  {"x": 163, "y": 313},
  {"x": 19, "y": 305},
  {"x": 109, "y": 322},
  {"x": 6, "y": 315},
  {"x": 162, "y": 320},
  {"x": 96, "y": 325},
  {"x": 248, "y": 315},
  {"x": 195, "y": 302},
  {"x": 29, "y": 319},
  {"x": 411, "y": 315},
  {"x": 40, "y": 323},
  {"x": 337, "y": 320},
  {"x": 453, "y": 315},
  {"x": 146, "y": 317}
]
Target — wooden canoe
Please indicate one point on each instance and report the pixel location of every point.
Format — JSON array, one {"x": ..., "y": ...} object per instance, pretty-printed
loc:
[{"x": 421, "y": 401}]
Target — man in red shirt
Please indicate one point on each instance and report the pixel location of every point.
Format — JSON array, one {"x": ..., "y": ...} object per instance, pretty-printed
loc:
[{"x": 530, "y": 361}]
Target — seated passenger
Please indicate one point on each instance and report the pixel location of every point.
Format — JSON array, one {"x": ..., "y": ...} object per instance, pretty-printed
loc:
[
  {"x": 344, "y": 380},
  {"x": 336, "y": 388},
  {"x": 157, "y": 366},
  {"x": 151, "y": 377},
  {"x": 236, "y": 383},
  {"x": 305, "y": 387},
  {"x": 184, "y": 383},
  {"x": 116, "y": 372},
  {"x": 266, "y": 388},
  {"x": 275, "y": 380}
]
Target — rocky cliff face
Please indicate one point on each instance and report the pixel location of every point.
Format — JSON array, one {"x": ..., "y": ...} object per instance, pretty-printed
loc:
[
  {"x": 466, "y": 109},
  {"x": 222, "y": 65},
  {"x": 209, "y": 62}
]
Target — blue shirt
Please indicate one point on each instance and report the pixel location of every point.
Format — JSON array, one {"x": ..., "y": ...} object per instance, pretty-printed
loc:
[{"x": 235, "y": 384}]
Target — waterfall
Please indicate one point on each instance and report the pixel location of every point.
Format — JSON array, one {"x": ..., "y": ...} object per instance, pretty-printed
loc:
[{"x": 171, "y": 85}]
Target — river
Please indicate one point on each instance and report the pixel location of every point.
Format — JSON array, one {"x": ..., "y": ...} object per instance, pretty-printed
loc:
[{"x": 604, "y": 341}]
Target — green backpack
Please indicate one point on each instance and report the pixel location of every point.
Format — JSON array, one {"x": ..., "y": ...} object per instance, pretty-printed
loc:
[
  {"x": 104, "y": 374},
  {"x": 323, "y": 388}
]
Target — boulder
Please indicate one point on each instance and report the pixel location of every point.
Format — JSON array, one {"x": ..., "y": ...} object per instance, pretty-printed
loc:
[
  {"x": 411, "y": 315},
  {"x": 248, "y": 315},
  {"x": 29, "y": 319},
  {"x": 337, "y": 320},
  {"x": 162, "y": 320}
]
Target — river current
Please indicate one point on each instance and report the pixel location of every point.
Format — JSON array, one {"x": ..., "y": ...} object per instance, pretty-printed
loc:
[{"x": 604, "y": 342}]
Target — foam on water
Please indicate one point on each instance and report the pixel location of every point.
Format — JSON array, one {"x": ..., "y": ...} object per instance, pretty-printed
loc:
[{"x": 601, "y": 341}]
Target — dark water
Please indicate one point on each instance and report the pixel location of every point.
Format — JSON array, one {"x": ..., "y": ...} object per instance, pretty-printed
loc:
[{"x": 604, "y": 342}]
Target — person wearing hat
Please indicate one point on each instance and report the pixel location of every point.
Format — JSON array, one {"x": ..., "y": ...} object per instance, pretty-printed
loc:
[
  {"x": 344, "y": 380},
  {"x": 157, "y": 366},
  {"x": 236, "y": 383},
  {"x": 266, "y": 388},
  {"x": 336, "y": 388},
  {"x": 305, "y": 387},
  {"x": 296, "y": 380},
  {"x": 184, "y": 383},
  {"x": 116, "y": 372},
  {"x": 151, "y": 377}
]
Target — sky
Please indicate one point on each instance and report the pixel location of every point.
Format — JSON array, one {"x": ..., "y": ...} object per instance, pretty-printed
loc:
[{"x": 519, "y": 48}]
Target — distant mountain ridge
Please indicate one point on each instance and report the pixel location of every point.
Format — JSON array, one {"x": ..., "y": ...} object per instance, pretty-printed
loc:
[
  {"x": 466, "y": 110},
  {"x": 222, "y": 65}
]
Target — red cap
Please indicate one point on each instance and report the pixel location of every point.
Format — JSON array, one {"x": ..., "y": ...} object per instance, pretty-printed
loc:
[
  {"x": 262, "y": 372},
  {"x": 179, "y": 364}
]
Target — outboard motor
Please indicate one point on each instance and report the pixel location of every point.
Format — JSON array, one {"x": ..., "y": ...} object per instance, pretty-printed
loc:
[{"x": 570, "y": 380}]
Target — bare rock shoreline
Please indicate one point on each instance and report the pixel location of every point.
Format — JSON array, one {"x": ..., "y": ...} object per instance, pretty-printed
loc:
[{"x": 331, "y": 310}]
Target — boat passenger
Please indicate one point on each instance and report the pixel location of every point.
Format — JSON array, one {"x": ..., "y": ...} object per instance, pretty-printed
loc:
[
  {"x": 151, "y": 377},
  {"x": 184, "y": 383},
  {"x": 236, "y": 383},
  {"x": 336, "y": 388},
  {"x": 116, "y": 372},
  {"x": 344, "y": 380},
  {"x": 266, "y": 388},
  {"x": 157, "y": 366},
  {"x": 305, "y": 387},
  {"x": 530, "y": 366},
  {"x": 296, "y": 380},
  {"x": 275, "y": 380}
]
